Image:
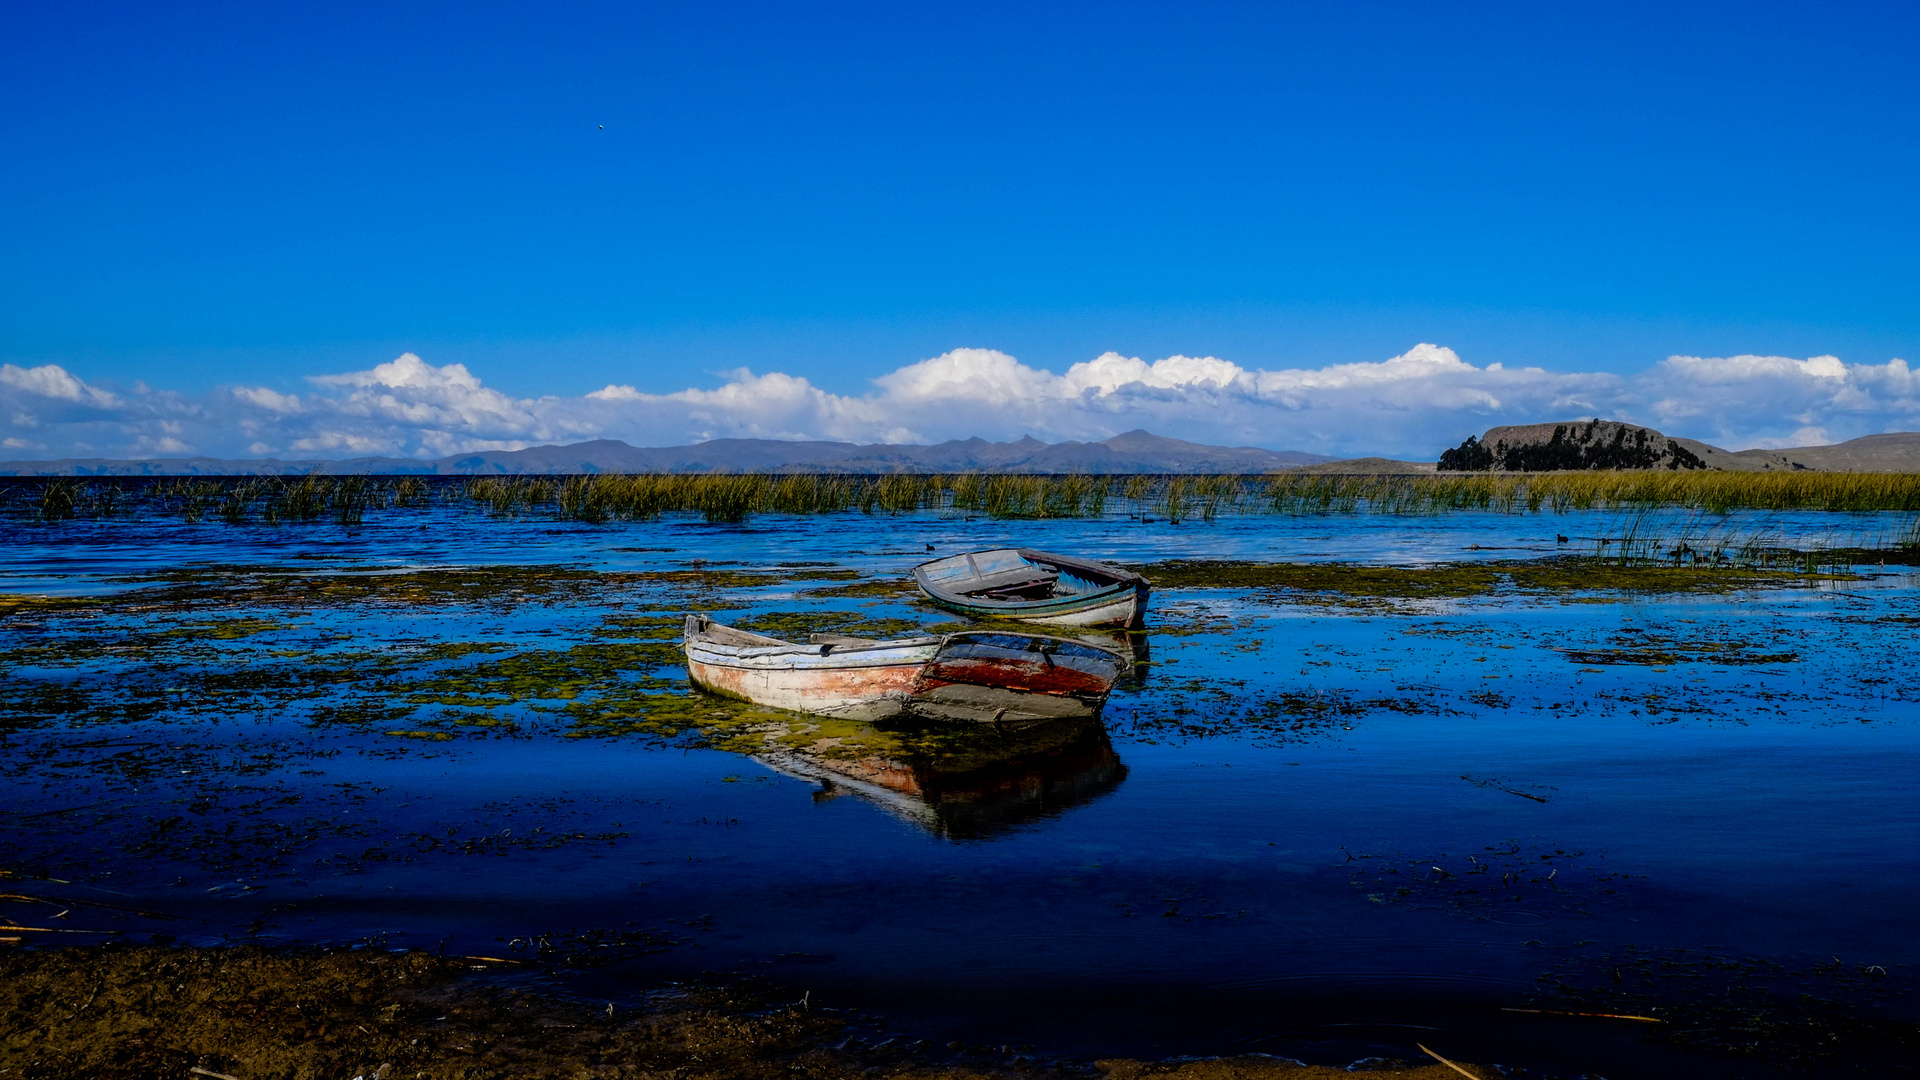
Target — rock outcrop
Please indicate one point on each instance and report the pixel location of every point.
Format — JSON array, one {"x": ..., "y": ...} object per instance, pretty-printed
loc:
[{"x": 1581, "y": 444}]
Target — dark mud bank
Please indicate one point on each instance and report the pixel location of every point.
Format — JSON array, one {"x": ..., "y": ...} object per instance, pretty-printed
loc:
[{"x": 154, "y": 1011}]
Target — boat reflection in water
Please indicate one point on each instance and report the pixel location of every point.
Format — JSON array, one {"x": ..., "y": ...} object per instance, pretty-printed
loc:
[
  {"x": 1131, "y": 645},
  {"x": 960, "y": 784}
]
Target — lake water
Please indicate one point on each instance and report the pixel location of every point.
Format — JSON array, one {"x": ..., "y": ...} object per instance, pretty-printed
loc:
[{"x": 1314, "y": 823}]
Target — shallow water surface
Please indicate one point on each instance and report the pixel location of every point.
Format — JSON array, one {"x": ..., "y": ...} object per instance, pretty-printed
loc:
[{"x": 1314, "y": 822}]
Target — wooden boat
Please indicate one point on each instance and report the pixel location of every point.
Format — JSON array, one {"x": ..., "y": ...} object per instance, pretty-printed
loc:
[
  {"x": 1033, "y": 586},
  {"x": 988, "y": 676}
]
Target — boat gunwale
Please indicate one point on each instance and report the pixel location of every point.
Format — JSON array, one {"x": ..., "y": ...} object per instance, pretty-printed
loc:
[
  {"x": 705, "y": 648},
  {"x": 715, "y": 652},
  {"x": 764, "y": 662}
]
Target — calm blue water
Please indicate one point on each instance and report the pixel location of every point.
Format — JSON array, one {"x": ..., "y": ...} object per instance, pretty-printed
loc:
[{"x": 1333, "y": 829}]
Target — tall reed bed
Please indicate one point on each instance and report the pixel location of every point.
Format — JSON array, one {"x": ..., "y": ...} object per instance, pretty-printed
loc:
[
  {"x": 731, "y": 497},
  {"x": 1005, "y": 495},
  {"x": 1716, "y": 492},
  {"x": 275, "y": 500},
  {"x": 272, "y": 500}
]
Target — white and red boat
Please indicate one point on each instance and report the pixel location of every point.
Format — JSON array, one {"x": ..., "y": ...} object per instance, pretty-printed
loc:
[{"x": 974, "y": 676}]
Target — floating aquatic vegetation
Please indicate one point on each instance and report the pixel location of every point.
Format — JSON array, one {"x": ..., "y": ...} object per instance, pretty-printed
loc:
[
  {"x": 1356, "y": 583},
  {"x": 1664, "y": 650},
  {"x": 877, "y": 588},
  {"x": 1201, "y": 708},
  {"x": 674, "y": 716},
  {"x": 225, "y": 629},
  {"x": 230, "y": 586}
]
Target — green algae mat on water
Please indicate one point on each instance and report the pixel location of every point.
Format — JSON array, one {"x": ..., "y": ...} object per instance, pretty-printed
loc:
[{"x": 1351, "y": 583}]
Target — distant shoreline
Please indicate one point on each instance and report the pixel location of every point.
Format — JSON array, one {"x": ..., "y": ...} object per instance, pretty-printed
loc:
[{"x": 1136, "y": 453}]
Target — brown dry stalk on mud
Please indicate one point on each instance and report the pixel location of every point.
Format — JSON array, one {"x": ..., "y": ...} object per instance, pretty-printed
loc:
[
  {"x": 1447, "y": 1063},
  {"x": 130, "y": 1013},
  {"x": 1597, "y": 1015}
]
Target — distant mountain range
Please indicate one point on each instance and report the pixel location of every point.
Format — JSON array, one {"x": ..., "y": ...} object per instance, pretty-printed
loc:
[{"x": 1133, "y": 452}]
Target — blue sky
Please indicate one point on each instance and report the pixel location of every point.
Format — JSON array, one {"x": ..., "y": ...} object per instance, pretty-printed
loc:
[{"x": 563, "y": 197}]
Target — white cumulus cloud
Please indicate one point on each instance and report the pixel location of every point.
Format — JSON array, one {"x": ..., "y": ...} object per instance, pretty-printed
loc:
[
  {"x": 1411, "y": 405},
  {"x": 1777, "y": 401},
  {"x": 53, "y": 382}
]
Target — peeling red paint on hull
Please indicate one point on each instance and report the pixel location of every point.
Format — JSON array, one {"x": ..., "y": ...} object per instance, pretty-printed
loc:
[
  {"x": 1033, "y": 678},
  {"x": 1001, "y": 677}
]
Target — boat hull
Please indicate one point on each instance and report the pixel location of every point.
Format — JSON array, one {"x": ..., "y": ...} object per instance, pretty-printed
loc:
[
  {"x": 968, "y": 677},
  {"x": 1014, "y": 678},
  {"x": 860, "y": 683}
]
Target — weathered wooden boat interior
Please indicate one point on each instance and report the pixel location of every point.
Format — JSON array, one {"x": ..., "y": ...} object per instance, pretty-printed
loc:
[
  {"x": 1007, "y": 574},
  {"x": 723, "y": 634}
]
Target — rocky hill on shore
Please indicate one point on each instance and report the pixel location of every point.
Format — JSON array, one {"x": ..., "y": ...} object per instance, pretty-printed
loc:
[{"x": 1610, "y": 444}]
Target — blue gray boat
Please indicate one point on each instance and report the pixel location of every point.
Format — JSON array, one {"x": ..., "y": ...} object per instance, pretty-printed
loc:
[{"x": 1035, "y": 587}]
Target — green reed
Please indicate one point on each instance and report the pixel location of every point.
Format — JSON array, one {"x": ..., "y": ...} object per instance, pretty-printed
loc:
[
  {"x": 1717, "y": 492},
  {"x": 235, "y": 500},
  {"x": 58, "y": 500},
  {"x": 735, "y": 497}
]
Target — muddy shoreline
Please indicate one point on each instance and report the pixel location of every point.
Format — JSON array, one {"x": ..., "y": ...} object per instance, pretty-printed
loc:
[{"x": 134, "y": 1012}]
